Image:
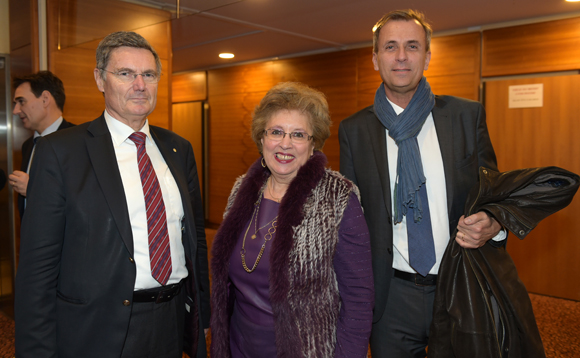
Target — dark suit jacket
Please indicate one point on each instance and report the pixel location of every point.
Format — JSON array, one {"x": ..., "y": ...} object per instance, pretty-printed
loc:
[
  {"x": 465, "y": 146},
  {"x": 26, "y": 153},
  {"x": 76, "y": 274}
]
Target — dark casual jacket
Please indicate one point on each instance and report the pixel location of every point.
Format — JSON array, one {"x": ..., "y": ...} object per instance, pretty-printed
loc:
[{"x": 482, "y": 308}]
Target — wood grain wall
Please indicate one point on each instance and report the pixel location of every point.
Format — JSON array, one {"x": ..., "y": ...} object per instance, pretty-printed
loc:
[
  {"x": 535, "y": 48},
  {"x": 349, "y": 82},
  {"x": 75, "y": 28},
  {"x": 23, "y": 17},
  {"x": 535, "y": 137}
]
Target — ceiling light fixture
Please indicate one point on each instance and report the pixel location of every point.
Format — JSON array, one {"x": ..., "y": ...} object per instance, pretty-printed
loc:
[
  {"x": 226, "y": 55},
  {"x": 572, "y": 0}
]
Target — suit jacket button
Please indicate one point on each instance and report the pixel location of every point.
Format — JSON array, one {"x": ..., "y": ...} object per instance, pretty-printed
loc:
[
  {"x": 131, "y": 259},
  {"x": 126, "y": 303}
]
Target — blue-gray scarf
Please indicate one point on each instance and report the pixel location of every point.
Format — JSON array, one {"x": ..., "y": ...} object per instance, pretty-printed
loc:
[{"x": 404, "y": 129}]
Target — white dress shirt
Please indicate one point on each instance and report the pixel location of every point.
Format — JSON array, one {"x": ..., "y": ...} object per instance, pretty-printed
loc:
[
  {"x": 126, "y": 153},
  {"x": 436, "y": 194}
]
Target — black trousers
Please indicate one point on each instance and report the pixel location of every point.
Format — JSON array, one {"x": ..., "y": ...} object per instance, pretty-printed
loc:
[
  {"x": 403, "y": 331},
  {"x": 156, "y": 329}
]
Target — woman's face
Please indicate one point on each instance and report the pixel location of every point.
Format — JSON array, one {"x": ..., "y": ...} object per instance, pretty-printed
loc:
[{"x": 284, "y": 157}]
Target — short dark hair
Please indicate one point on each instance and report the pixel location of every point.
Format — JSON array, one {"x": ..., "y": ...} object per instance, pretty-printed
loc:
[
  {"x": 122, "y": 39},
  {"x": 402, "y": 15},
  {"x": 43, "y": 81},
  {"x": 288, "y": 96}
]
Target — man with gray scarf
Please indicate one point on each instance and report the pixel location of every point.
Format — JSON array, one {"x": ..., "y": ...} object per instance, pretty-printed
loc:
[{"x": 414, "y": 156}]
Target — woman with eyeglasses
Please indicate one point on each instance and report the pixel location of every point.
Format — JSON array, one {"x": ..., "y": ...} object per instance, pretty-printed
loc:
[{"x": 291, "y": 265}]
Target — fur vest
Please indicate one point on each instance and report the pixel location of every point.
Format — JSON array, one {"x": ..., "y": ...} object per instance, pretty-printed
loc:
[{"x": 303, "y": 286}]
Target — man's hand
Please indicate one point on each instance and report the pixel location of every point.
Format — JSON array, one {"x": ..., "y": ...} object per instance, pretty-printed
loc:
[
  {"x": 475, "y": 230},
  {"x": 19, "y": 181}
]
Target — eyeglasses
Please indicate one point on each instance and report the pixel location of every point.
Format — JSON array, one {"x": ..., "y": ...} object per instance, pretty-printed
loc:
[
  {"x": 295, "y": 137},
  {"x": 128, "y": 76}
]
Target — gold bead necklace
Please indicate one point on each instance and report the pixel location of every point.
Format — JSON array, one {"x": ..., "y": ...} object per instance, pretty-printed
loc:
[{"x": 267, "y": 237}]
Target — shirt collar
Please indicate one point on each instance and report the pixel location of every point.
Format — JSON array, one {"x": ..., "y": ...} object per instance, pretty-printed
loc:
[
  {"x": 50, "y": 129},
  {"x": 398, "y": 110},
  {"x": 120, "y": 132}
]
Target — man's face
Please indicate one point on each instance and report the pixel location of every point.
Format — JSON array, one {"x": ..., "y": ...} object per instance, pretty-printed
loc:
[
  {"x": 31, "y": 110},
  {"x": 402, "y": 57},
  {"x": 134, "y": 101}
]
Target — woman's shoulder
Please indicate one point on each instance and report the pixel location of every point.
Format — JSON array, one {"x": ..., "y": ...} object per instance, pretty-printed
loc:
[{"x": 338, "y": 179}]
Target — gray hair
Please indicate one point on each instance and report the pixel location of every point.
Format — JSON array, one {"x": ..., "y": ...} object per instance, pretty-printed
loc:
[{"x": 122, "y": 39}]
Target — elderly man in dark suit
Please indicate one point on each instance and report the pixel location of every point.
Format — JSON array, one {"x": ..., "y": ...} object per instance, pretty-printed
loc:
[
  {"x": 414, "y": 156},
  {"x": 38, "y": 102},
  {"x": 113, "y": 258}
]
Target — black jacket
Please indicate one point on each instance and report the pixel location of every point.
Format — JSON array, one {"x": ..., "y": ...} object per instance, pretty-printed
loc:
[{"x": 482, "y": 308}]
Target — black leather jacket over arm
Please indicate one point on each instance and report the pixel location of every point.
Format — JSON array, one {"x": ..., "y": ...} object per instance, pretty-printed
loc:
[{"x": 482, "y": 308}]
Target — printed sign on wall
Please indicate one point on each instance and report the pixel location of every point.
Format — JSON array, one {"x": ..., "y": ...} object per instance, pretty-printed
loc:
[{"x": 526, "y": 96}]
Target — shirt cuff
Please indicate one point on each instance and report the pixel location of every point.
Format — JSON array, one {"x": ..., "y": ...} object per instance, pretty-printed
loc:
[{"x": 501, "y": 235}]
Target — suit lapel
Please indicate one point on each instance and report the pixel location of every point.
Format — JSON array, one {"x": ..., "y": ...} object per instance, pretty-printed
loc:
[
  {"x": 445, "y": 137},
  {"x": 104, "y": 162},
  {"x": 378, "y": 136}
]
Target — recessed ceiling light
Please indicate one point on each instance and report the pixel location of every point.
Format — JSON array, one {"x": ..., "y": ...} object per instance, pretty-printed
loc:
[
  {"x": 572, "y": 0},
  {"x": 226, "y": 55}
]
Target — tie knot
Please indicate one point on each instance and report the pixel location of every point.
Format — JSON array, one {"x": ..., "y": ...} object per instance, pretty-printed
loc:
[{"x": 138, "y": 138}]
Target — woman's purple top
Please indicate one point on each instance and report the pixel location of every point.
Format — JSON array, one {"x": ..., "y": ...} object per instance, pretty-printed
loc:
[{"x": 252, "y": 322}]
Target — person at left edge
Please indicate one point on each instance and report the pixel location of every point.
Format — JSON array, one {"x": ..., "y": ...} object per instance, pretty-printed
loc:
[
  {"x": 291, "y": 262},
  {"x": 38, "y": 102},
  {"x": 85, "y": 285}
]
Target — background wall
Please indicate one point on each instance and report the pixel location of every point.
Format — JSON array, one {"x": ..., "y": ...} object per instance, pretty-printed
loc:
[
  {"x": 347, "y": 78},
  {"x": 4, "y": 28},
  {"x": 460, "y": 65},
  {"x": 75, "y": 29}
]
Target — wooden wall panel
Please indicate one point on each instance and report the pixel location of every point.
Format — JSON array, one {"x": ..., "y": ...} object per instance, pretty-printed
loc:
[
  {"x": 74, "y": 64},
  {"x": 535, "y": 48},
  {"x": 257, "y": 77},
  {"x": 189, "y": 87},
  {"x": 348, "y": 80},
  {"x": 335, "y": 76},
  {"x": 368, "y": 80},
  {"x": 534, "y": 137},
  {"x": 23, "y": 15},
  {"x": 231, "y": 149},
  {"x": 188, "y": 123},
  {"x": 466, "y": 86},
  {"x": 86, "y": 20},
  {"x": 233, "y": 94},
  {"x": 455, "y": 65},
  {"x": 454, "y": 69}
]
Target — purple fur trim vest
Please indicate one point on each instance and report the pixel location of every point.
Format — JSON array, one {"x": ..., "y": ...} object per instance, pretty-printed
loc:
[{"x": 303, "y": 287}]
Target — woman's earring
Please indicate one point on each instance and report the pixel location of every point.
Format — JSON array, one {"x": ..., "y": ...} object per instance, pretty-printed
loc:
[{"x": 263, "y": 163}]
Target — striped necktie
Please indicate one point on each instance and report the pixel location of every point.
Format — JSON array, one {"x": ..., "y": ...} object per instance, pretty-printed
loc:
[{"x": 159, "y": 250}]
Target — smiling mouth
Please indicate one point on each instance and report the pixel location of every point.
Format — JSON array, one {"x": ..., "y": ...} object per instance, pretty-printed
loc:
[{"x": 284, "y": 157}]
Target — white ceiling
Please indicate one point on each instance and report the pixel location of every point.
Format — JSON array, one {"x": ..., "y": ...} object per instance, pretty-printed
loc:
[{"x": 264, "y": 29}]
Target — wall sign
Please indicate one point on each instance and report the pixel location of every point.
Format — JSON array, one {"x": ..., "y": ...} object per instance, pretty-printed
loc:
[{"x": 526, "y": 96}]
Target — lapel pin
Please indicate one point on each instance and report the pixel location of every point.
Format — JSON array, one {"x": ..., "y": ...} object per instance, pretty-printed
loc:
[{"x": 175, "y": 150}]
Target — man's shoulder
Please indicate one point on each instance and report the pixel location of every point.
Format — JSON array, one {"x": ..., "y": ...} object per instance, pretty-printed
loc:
[
  {"x": 70, "y": 134},
  {"x": 360, "y": 116},
  {"x": 167, "y": 135},
  {"x": 65, "y": 124},
  {"x": 452, "y": 102}
]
